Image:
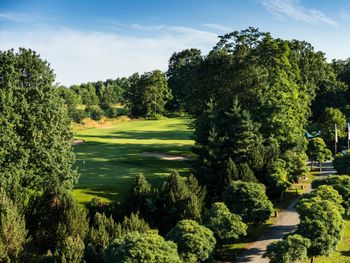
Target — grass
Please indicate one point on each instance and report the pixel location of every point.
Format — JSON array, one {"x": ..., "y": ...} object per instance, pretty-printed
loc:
[{"x": 110, "y": 157}]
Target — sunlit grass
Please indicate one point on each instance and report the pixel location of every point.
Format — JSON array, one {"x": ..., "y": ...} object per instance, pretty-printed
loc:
[{"x": 110, "y": 157}]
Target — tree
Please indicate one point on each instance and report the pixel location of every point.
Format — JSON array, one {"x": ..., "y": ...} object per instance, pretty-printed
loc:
[
  {"x": 148, "y": 94},
  {"x": 291, "y": 249},
  {"x": 179, "y": 198},
  {"x": 321, "y": 222},
  {"x": 139, "y": 191},
  {"x": 331, "y": 117},
  {"x": 141, "y": 247},
  {"x": 327, "y": 192},
  {"x": 53, "y": 216},
  {"x": 221, "y": 135},
  {"x": 70, "y": 250},
  {"x": 224, "y": 224},
  {"x": 35, "y": 140},
  {"x": 13, "y": 232},
  {"x": 248, "y": 200},
  {"x": 341, "y": 163},
  {"x": 341, "y": 183},
  {"x": 317, "y": 151},
  {"x": 181, "y": 76},
  {"x": 195, "y": 243}
]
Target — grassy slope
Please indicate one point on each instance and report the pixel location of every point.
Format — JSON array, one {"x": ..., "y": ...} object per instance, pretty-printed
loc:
[{"x": 112, "y": 155}]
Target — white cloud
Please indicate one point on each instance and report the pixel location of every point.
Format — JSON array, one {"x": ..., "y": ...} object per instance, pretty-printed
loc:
[
  {"x": 15, "y": 17},
  {"x": 218, "y": 27},
  {"x": 78, "y": 56},
  {"x": 293, "y": 9}
]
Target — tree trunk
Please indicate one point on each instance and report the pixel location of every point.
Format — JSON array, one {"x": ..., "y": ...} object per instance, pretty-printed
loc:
[
  {"x": 320, "y": 166},
  {"x": 312, "y": 163},
  {"x": 312, "y": 260}
]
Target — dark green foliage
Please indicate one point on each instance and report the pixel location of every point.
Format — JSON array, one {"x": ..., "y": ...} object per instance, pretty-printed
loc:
[
  {"x": 35, "y": 141},
  {"x": 13, "y": 233},
  {"x": 195, "y": 243},
  {"x": 246, "y": 174},
  {"x": 141, "y": 248},
  {"x": 179, "y": 198},
  {"x": 341, "y": 163},
  {"x": 341, "y": 183},
  {"x": 291, "y": 249},
  {"x": 94, "y": 112},
  {"x": 181, "y": 76},
  {"x": 140, "y": 190},
  {"x": 148, "y": 94},
  {"x": 87, "y": 92},
  {"x": 104, "y": 230},
  {"x": 53, "y": 216},
  {"x": 322, "y": 223},
  {"x": 223, "y": 223},
  {"x": 222, "y": 135},
  {"x": 77, "y": 115},
  {"x": 248, "y": 200},
  {"x": 70, "y": 250},
  {"x": 275, "y": 82}
]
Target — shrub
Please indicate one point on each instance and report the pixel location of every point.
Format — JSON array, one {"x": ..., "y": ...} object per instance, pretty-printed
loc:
[
  {"x": 142, "y": 248},
  {"x": 248, "y": 200},
  {"x": 195, "y": 243}
]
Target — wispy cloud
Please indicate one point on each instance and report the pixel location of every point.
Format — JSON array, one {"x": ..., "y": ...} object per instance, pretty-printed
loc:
[
  {"x": 81, "y": 56},
  {"x": 218, "y": 27},
  {"x": 294, "y": 9},
  {"x": 15, "y": 17}
]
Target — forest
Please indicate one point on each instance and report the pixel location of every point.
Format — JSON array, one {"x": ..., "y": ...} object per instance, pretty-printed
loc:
[{"x": 260, "y": 109}]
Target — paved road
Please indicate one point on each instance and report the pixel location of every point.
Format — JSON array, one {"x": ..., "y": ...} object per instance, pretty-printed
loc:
[{"x": 286, "y": 223}]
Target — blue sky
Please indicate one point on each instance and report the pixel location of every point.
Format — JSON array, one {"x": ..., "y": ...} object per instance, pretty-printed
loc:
[{"x": 95, "y": 40}]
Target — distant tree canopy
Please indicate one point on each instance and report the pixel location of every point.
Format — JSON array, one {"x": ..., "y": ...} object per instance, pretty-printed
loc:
[
  {"x": 35, "y": 140},
  {"x": 181, "y": 74},
  {"x": 148, "y": 94}
]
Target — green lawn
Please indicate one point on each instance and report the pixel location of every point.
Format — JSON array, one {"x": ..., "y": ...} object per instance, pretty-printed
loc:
[{"x": 110, "y": 157}]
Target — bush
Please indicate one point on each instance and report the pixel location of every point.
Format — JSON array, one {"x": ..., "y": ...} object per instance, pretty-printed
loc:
[
  {"x": 70, "y": 250},
  {"x": 289, "y": 250},
  {"x": 141, "y": 248},
  {"x": 341, "y": 163},
  {"x": 77, "y": 115},
  {"x": 13, "y": 233},
  {"x": 195, "y": 243},
  {"x": 54, "y": 216},
  {"x": 223, "y": 223},
  {"x": 95, "y": 112},
  {"x": 248, "y": 200}
]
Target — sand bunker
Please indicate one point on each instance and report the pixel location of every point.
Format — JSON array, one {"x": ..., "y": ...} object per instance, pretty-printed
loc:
[
  {"x": 164, "y": 156},
  {"x": 76, "y": 142}
]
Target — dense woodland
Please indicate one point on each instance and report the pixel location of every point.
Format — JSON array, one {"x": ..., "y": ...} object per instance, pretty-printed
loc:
[{"x": 252, "y": 99}]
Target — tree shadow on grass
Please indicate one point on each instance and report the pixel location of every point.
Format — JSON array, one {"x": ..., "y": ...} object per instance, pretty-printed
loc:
[
  {"x": 108, "y": 169},
  {"x": 145, "y": 135}
]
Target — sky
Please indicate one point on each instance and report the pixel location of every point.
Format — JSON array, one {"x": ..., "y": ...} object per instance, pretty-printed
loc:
[{"x": 95, "y": 40}]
